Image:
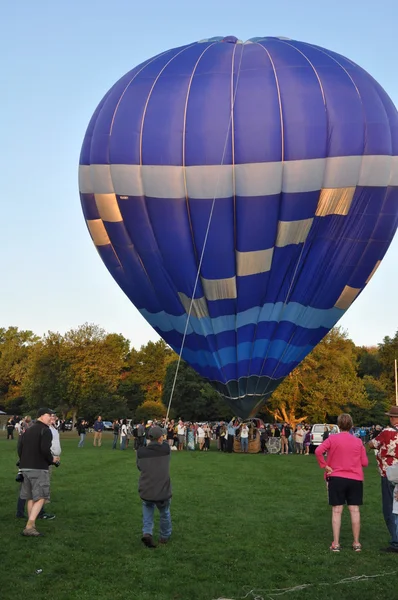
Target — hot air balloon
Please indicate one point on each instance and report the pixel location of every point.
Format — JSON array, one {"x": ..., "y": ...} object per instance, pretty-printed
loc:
[{"x": 242, "y": 195}]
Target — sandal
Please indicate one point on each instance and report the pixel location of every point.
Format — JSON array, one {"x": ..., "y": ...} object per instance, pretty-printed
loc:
[
  {"x": 357, "y": 547},
  {"x": 335, "y": 547}
]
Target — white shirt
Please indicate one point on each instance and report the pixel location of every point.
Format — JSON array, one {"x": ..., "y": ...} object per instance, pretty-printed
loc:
[
  {"x": 392, "y": 475},
  {"x": 56, "y": 443},
  {"x": 123, "y": 431},
  {"x": 200, "y": 432},
  {"x": 180, "y": 429},
  {"x": 244, "y": 432}
]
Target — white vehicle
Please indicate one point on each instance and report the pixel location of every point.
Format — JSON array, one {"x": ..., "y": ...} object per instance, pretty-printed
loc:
[{"x": 317, "y": 432}]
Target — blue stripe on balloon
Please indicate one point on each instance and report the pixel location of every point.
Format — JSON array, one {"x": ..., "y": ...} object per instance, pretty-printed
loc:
[{"x": 305, "y": 316}]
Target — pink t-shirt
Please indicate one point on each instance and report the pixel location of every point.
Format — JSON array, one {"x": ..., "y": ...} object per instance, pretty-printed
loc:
[{"x": 346, "y": 455}]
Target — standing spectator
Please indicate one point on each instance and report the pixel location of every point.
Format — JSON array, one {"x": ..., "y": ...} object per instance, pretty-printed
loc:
[
  {"x": 123, "y": 435},
  {"x": 362, "y": 435},
  {"x": 170, "y": 434},
  {"x": 299, "y": 439},
  {"x": 10, "y": 430},
  {"x": 277, "y": 431},
  {"x": 231, "y": 429},
  {"x": 200, "y": 434},
  {"x": 190, "y": 437},
  {"x": 21, "y": 503},
  {"x": 207, "y": 430},
  {"x": 154, "y": 488},
  {"x": 34, "y": 450},
  {"x": 141, "y": 434},
  {"x": 386, "y": 444},
  {"x": 98, "y": 429},
  {"x": 116, "y": 430},
  {"x": 81, "y": 430},
  {"x": 325, "y": 434},
  {"x": 244, "y": 438},
  {"x": 307, "y": 441},
  {"x": 285, "y": 433},
  {"x": 181, "y": 434},
  {"x": 223, "y": 437},
  {"x": 343, "y": 470}
]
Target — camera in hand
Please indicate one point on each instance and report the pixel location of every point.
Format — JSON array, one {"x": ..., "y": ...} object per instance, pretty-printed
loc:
[
  {"x": 57, "y": 463},
  {"x": 19, "y": 477}
]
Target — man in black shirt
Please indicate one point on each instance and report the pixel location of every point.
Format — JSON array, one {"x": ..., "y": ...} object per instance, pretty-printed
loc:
[{"x": 34, "y": 450}]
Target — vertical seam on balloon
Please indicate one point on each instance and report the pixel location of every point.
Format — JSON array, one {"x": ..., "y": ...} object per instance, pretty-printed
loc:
[
  {"x": 312, "y": 228},
  {"x": 184, "y": 148},
  {"x": 167, "y": 277},
  {"x": 147, "y": 63},
  {"x": 90, "y": 165},
  {"x": 279, "y": 101},
  {"x": 151, "y": 90},
  {"x": 197, "y": 259},
  {"x": 234, "y": 200},
  {"x": 103, "y": 222},
  {"x": 323, "y": 51},
  {"x": 365, "y": 124},
  {"x": 282, "y": 161},
  {"x": 388, "y": 187},
  {"x": 129, "y": 237}
]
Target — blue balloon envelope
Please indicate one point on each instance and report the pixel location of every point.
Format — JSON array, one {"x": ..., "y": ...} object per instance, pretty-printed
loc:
[{"x": 269, "y": 168}]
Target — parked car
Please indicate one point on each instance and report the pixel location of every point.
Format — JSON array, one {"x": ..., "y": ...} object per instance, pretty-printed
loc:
[
  {"x": 108, "y": 425},
  {"x": 317, "y": 432}
]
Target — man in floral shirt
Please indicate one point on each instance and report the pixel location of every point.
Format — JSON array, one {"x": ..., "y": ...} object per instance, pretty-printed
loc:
[{"x": 386, "y": 444}]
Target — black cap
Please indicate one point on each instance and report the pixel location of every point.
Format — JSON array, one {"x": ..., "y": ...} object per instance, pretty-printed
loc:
[
  {"x": 155, "y": 433},
  {"x": 45, "y": 411}
]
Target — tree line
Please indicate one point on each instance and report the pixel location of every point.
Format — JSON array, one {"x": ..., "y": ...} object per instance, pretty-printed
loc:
[{"x": 87, "y": 372}]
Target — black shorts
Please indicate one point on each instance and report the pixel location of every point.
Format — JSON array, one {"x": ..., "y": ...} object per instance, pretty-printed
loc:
[{"x": 345, "y": 491}]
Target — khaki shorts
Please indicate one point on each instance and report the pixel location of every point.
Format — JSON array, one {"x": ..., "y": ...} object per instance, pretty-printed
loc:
[{"x": 35, "y": 485}]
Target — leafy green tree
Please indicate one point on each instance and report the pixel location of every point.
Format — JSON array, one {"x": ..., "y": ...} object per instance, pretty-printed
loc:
[
  {"x": 15, "y": 348},
  {"x": 131, "y": 392},
  {"x": 148, "y": 366},
  {"x": 46, "y": 382},
  {"x": 79, "y": 373},
  {"x": 369, "y": 362},
  {"x": 388, "y": 352},
  {"x": 193, "y": 398},
  {"x": 379, "y": 403},
  {"x": 323, "y": 385},
  {"x": 150, "y": 409}
]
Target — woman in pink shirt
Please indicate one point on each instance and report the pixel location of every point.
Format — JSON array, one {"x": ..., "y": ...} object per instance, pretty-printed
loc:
[{"x": 345, "y": 458}]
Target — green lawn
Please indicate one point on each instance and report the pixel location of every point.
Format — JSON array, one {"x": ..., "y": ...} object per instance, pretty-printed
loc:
[{"x": 241, "y": 523}]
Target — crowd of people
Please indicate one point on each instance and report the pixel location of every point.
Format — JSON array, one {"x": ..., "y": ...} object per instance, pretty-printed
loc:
[{"x": 342, "y": 456}]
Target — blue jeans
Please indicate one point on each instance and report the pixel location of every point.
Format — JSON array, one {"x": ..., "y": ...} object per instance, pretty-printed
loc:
[
  {"x": 387, "y": 497},
  {"x": 244, "y": 444},
  {"x": 123, "y": 442},
  {"x": 114, "y": 443},
  {"x": 148, "y": 509},
  {"x": 81, "y": 443}
]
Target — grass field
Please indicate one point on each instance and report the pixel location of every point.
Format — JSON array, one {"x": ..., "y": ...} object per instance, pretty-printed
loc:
[{"x": 241, "y": 523}]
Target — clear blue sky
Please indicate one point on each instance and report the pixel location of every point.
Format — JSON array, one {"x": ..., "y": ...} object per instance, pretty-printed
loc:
[{"x": 58, "y": 59}]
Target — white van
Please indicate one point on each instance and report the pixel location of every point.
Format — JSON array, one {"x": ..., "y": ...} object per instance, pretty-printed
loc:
[{"x": 317, "y": 432}]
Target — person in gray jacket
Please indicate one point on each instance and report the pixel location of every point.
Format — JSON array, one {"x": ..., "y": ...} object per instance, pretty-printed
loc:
[{"x": 154, "y": 488}]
